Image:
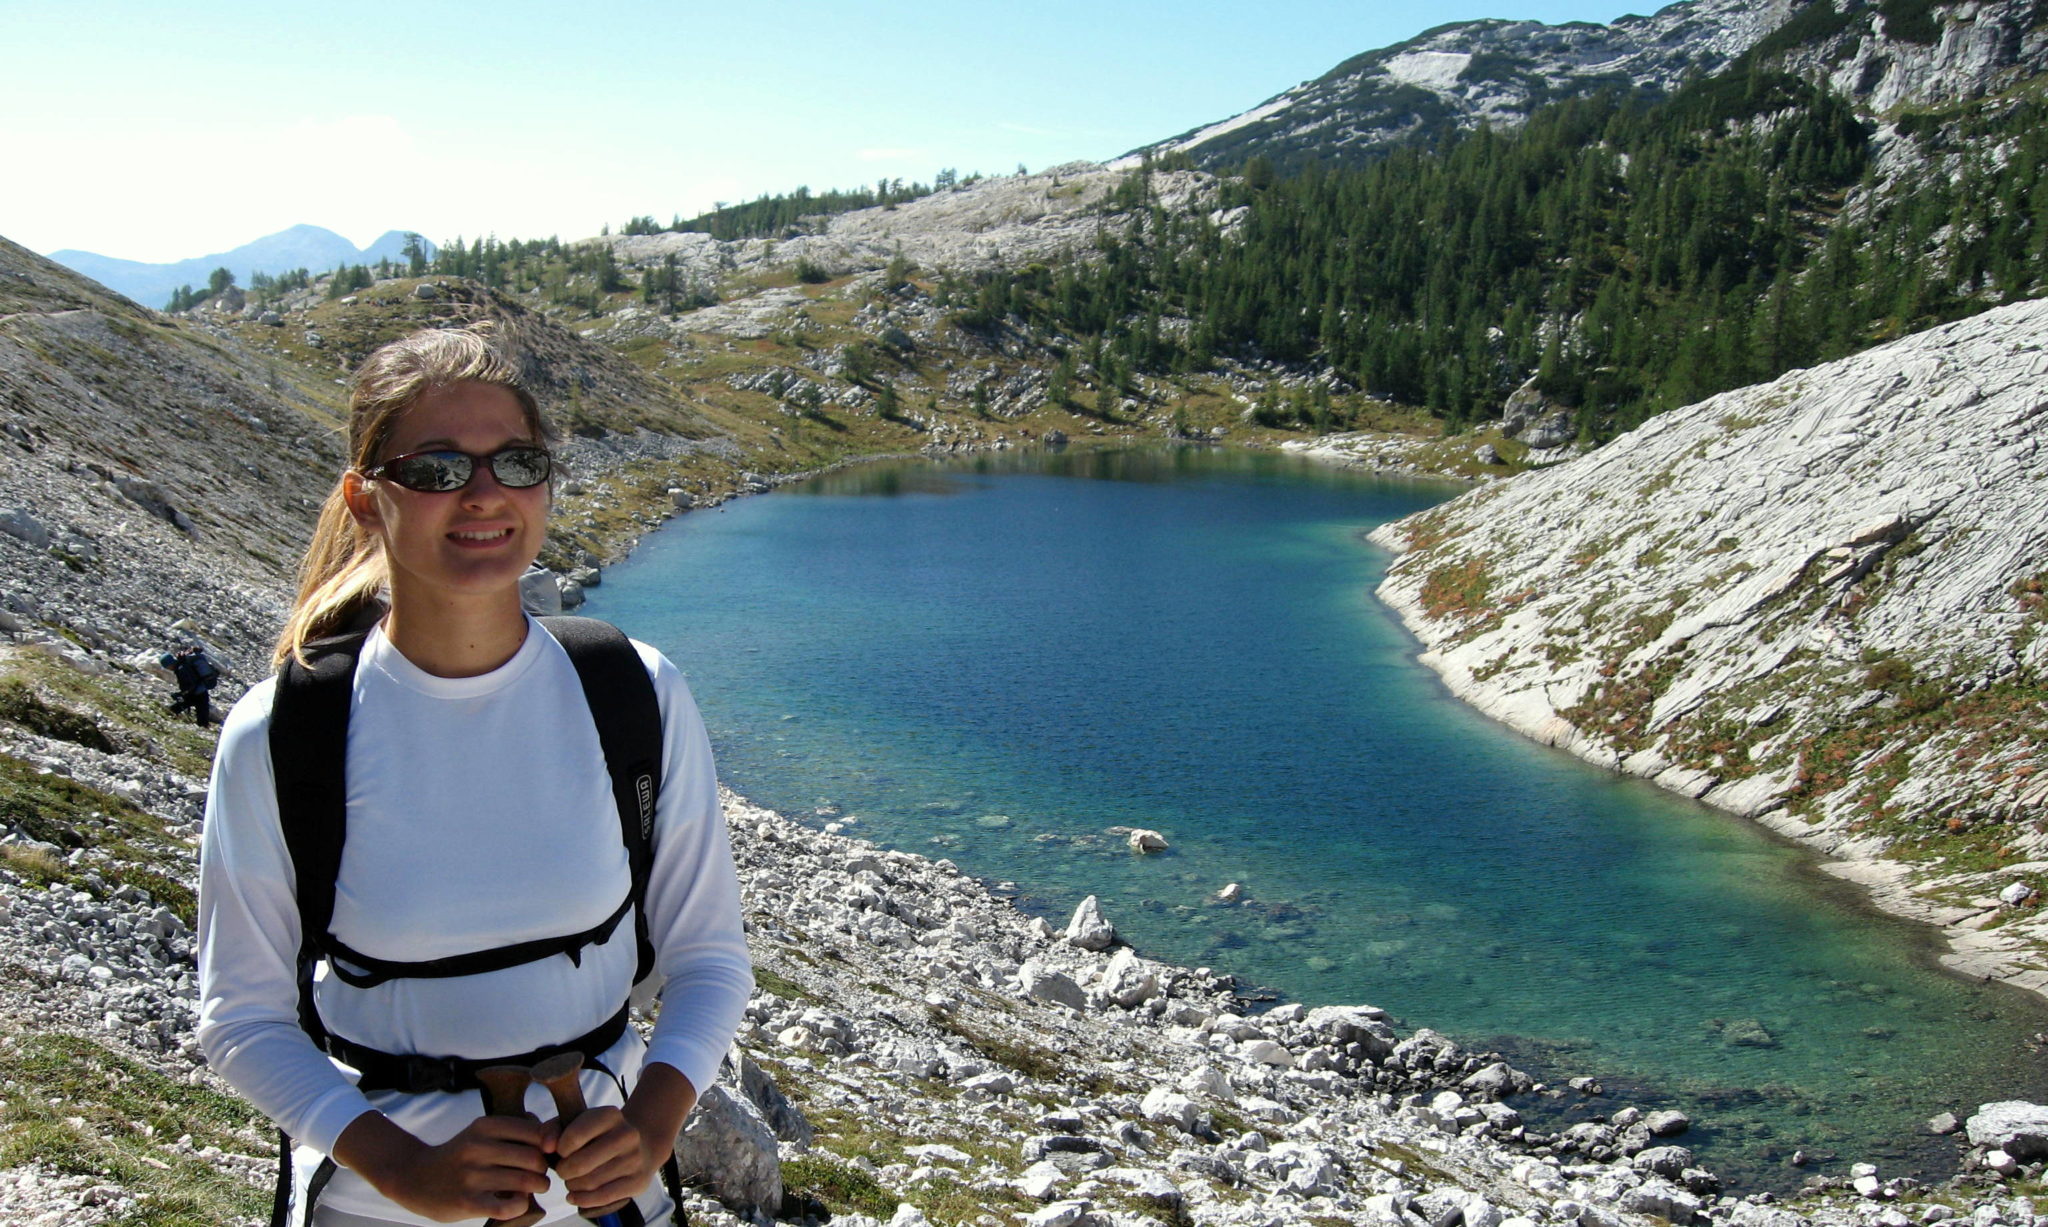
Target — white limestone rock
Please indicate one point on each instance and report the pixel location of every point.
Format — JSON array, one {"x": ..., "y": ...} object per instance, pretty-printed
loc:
[
  {"x": 1042, "y": 983},
  {"x": 730, "y": 1150},
  {"x": 1088, "y": 929},
  {"x": 1128, "y": 980},
  {"x": 2015, "y": 1126},
  {"x": 1143, "y": 840}
]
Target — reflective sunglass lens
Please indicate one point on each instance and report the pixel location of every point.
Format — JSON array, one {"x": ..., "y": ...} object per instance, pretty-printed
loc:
[
  {"x": 520, "y": 467},
  {"x": 433, "y": 472}
]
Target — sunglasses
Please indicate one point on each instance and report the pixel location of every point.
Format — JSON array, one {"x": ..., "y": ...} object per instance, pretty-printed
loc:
[{"x": 444, "y": 471}]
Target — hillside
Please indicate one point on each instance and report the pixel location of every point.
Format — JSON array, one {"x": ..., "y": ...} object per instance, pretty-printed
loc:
[{"x": 1816, "y": 601}]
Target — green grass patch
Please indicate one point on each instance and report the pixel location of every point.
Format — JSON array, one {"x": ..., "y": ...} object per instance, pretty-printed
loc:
[
  {"x": 1026, "y": 1058},
  {"x": 74, "y": 1106},
  {"x": 840, "y": 1187},
  {"x": 769, "y": 980},
  {"x": 61, "y": 811},
  {"x": 20, "y": 704}
]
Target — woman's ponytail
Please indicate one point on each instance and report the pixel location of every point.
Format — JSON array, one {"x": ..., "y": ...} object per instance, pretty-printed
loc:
[
  {"x": 341, "y": 575},
  {"x": 344, "y": 571}
]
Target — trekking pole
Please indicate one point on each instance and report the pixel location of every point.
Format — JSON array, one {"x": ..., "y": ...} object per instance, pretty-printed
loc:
[
  {"x": 505, "y": 1095},
  {"x": 560, "y": 1075}
]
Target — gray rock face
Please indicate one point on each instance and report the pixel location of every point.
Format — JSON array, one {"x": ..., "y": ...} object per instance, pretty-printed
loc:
[
  {"x": 2015, "y": 1126},
  {"x": 731, "y": 1150},
  {"x": 1770, "y": 563},
  {"x": 1976, "y": 49}
]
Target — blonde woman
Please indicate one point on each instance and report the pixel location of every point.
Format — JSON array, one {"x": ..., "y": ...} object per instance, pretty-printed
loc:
[{"x": 452, "y": 879}]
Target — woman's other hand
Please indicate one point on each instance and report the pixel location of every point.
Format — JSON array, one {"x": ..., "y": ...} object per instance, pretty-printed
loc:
[{"x": 492, "y": 1168}]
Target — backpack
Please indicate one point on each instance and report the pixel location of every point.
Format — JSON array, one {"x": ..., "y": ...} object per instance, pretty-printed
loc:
[
  {"x": 308, "y": 748},
  {"x": 204, "y": 671}
]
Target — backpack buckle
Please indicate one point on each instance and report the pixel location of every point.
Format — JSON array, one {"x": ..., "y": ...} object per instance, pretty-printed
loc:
[{"x": 424, "y": 1074}]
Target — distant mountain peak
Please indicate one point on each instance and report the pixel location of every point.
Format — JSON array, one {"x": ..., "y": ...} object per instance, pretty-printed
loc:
[{"x": 301, "y": 246}]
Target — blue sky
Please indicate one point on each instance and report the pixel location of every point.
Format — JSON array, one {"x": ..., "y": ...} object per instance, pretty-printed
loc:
[{"x": 156, "y": 133}]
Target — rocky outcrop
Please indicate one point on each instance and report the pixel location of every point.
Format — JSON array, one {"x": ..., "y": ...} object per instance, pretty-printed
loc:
[
  {"x": 1925, "y": 56},
  {"x": 1002, "y": 222},
  {"x": 1817, "y": 601}
]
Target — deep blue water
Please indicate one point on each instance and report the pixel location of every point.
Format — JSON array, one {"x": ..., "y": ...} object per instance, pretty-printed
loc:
[{"x": 995, "y": 660}]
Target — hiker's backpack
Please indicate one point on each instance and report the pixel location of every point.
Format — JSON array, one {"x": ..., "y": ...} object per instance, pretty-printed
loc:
[
  {"x": 308, "y": 749},
  {"x": 204, "y": 672}
]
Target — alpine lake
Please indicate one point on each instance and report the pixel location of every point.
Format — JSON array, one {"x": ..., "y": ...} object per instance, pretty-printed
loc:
[{"x": 996, "y": 659}]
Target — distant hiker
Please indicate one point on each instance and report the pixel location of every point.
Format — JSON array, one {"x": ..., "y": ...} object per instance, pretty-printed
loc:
[
  {"x": 197, "y": 675},
  {"x": 448, "y": 836}
]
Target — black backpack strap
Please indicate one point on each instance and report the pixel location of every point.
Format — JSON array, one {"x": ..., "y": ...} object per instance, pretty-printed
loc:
[
  {"x": 308, "y": 756},
  {"x": 359, "y": 970},
  {"x": 627, "y": 714}
]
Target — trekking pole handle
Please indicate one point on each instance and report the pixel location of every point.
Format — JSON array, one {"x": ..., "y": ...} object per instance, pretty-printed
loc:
[
  {"x": 561, "y": 1074},
  {"x": 505, "y": 1095}
]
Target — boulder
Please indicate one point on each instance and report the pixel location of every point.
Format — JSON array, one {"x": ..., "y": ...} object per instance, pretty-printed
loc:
[
  {"x": 2014, "y": 1126},
  {"x": 1127, "y": 981},
  {"x": 16, "y": 522},
  {"x": 538, "y": 592},
  {"x": 1088, "y": 929},
  {"x": 1042, "y": 983},
  {"x": 2015, "y": 894},
  {"x": 783, "y": 1117},
  {"x": 1663, "y": 1199},
  {"x": 1166, "y": 1107},
  {"x": 1667, "y": 1161},
  {"x": 1060, "y": 1214},
  {"x": 1497, "y": 1080},
  {"x": 1667, "y": 1123},
  {"x": 1143, "y": 840},
  {"x": 730, "y": 1151},
  {"x": 1041, "y": 1180}
]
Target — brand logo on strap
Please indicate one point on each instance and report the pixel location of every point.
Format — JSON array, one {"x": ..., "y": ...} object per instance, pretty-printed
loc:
[{"x": 643, "y": 790}]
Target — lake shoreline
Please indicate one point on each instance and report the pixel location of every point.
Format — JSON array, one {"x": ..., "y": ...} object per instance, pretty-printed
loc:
[{"x": 1884, "y": 882}]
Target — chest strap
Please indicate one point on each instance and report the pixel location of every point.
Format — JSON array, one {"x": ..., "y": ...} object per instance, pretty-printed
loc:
[
  {"x": 415, "y": 1075},
  {"x": 359, "y": 970}
]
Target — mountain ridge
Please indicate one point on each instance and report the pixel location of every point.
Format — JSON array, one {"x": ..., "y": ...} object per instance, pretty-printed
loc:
[
  {"x": 315, "y": 248},
  {"x": 1883, "y": 53}
]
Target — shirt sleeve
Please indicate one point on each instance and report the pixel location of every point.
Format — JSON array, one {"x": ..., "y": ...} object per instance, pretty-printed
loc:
[
  {"x": 249, "y": 945},
  {"x": 693, "y": 896}
]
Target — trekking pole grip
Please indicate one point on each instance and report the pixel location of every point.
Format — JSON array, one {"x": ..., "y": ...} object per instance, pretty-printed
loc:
[
  {"x": 562, "y": 1076},
  {"x": 505, "y": 1095}
]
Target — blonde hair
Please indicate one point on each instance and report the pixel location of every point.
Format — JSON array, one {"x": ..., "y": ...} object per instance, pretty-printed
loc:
[{"x": 344, "y": 571}]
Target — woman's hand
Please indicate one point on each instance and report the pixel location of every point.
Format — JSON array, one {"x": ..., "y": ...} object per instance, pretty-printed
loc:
[
  {"x": 491, "y": 1168},
  {"x": 605, "y": 1158},
  {"x": 607, "y": 1153}
]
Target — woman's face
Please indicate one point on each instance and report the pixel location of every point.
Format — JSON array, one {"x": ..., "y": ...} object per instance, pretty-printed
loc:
[{"x": 472, "y": 542}]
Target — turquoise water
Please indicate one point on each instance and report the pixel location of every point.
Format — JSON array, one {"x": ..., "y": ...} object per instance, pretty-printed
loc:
[{"x": 995, "y": 660}]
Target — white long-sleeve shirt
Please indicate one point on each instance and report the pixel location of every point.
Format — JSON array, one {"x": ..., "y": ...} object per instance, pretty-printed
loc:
[{"x": 479, "y": 814}]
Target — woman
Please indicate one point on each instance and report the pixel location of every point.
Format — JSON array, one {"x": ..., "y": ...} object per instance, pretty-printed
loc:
[{"x": 479, "y": 817}]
